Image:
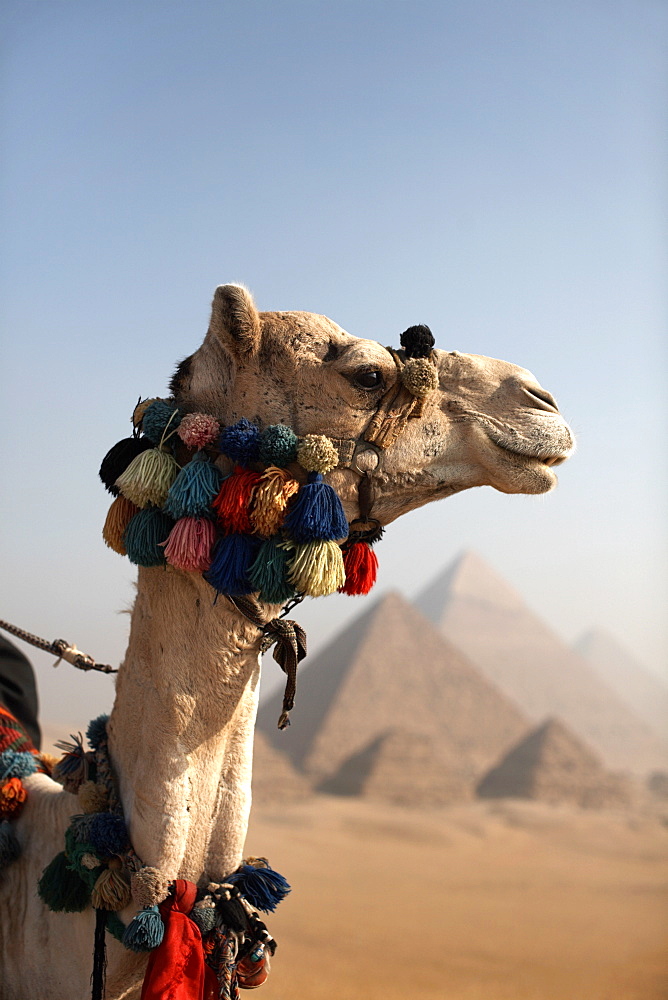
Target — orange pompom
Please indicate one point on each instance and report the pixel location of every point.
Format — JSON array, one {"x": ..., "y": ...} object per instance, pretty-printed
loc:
[{"x": 12, "y": 798}]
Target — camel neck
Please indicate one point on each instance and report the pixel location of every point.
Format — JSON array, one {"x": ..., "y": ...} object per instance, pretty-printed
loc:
[{"x": 181, "y": 730}]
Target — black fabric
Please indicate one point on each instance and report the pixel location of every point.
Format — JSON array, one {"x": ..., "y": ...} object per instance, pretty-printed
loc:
[{"x": 18, "y": 690}]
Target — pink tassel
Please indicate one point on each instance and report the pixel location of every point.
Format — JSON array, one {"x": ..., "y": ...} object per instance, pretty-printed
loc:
[{"x": 189, "y": 544}]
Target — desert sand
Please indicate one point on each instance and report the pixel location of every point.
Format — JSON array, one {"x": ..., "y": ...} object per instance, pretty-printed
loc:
[{"x": 503, "y": 900}]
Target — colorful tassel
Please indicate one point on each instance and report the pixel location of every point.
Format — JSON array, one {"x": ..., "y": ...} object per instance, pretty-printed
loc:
[
  {"x": 149, "y": 886},
  {"x": 361, "y": 565},
  {"x": 269, "y": 573},
  {"x": 13, "y": 795},
  {"x": 270, "y": 500},
  {"x": 194, "y": 489},
  {"x": 145, "y": 931},
  {"x": 78, "y": 832},
  {"x": 96, "y": 731},
  {"x": 145, "y": 535},
  {"x": 317, "y": 453},
  {"x": 108, "y": 834},
  {"x": 316, "y": 514},
  {"x": 10, "y": 848},
  {"x": 205, "y": 915},
  {"x": 119, "y": 516},
  {"x": 241, "y": 442},
  {"x": 190, "y": 543},
  {"x": 93, "y": 798},
  {"x": 61, "y": 889},
  {"x": 316, "y": 569},
  {"x": 17, "y": 764},
  {"x": 278, "y": 445},
  {"x": 234, "y": 499},
  {"x": 117, "y": 459},
  {"x": 197, "y": 430},
  {"x": 112, "y": 888},
  {"x": 148, "y": 478},
  {"x": 232, "y": 559},
  {"x": 160, "y": 420},
  {"x": 261, "y": 885}
]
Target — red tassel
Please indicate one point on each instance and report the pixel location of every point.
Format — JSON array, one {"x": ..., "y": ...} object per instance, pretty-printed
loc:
[
  {"x": 234, "y": 499},
  {"x": 361, "y": 565}
]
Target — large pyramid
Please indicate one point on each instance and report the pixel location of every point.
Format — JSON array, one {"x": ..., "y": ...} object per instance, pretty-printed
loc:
[
  {"x": 489, "y": 621},
  {"x": 632, "y": 682},
  {"x": 552, "y": 765},
  {"x": 391, "y": 672}
]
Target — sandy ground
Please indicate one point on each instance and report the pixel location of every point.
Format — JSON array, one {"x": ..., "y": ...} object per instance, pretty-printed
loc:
[{"x": 502, "y": 901}]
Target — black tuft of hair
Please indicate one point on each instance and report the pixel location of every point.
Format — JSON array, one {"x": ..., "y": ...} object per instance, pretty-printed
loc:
[
  {"x": 180, "y": 375},
  {"x": 417, "y": 341}
]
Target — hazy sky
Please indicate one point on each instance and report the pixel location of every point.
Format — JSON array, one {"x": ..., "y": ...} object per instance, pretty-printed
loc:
[{"x": 494, "y": 168}]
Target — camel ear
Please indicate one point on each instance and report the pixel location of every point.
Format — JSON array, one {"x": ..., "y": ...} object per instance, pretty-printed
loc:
[{"x": 235, "y": 320}]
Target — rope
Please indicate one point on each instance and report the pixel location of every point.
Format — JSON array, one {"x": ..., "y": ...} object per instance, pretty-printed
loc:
[{"x": 60, "y": 648}]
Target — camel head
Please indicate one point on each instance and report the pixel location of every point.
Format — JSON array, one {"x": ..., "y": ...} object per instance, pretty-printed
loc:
[{"x": 488, "y": 422}]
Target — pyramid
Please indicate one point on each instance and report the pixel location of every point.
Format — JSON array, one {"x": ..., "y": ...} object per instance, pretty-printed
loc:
[
  {"x": 632, "y": 682},
  {"x": 404, "y": 768},
  {"x": 274, "y": 777},
  {"x": 491, "y": 624},
  {"x": 391, "y": 670},
  {"x": 552, "y": 765}
]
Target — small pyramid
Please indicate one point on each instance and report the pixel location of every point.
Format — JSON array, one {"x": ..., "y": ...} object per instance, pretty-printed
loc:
[
  {"x": 274, "y": 777},
  {"x": 487, "y": 619},
  {"x": 404, "y": 768},
  {"x": 552, "y": 765},
  {"x": 391, "y": 670}
]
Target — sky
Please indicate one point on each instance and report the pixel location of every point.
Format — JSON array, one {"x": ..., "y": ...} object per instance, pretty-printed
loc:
[{"x": 493, "y": 168}]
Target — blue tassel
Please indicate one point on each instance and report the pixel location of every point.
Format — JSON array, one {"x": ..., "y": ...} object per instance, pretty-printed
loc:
[
  {"x": 233, "y": 557},
  {"x": 317, "y": 514},
  {"x": 145, "y": 931},
  {"x": 9, "y": 845},
  {"x": 160, "y": 417},
  {"x": 263, "y": 887},
  {"x": 96, "y": 733},
  {"x": 206, "y": 917},
  {"x": 269, "y": 573},
  {"x": 194, "y": 489},
  {"x": 79, "y": 828},
  {"x": 17, "y": 764},
  {"x": 108, "y": 834},
  {"x": 241, "y": 442},
  {"x": 144, "y": 535}
]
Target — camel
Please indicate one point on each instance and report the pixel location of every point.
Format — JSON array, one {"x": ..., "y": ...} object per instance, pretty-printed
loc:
[{"x": 181, "y": 728}]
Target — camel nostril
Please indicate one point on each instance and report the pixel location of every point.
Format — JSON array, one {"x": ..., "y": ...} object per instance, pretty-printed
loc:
[{"x": 545, "y": 399}]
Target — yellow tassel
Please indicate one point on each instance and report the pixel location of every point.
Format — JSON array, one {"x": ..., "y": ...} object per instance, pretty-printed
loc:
[
  {"x": 93, "y": 798},
  {"x": 270, "y": 500},
  {"x": 316, "y": 569},
  {"x": 112, "y": 889},
  {"x": 148, "y": 477},
  {"x": 119, "y": 516}
]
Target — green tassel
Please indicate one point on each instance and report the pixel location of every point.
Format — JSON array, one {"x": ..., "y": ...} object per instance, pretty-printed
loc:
[
  {"x": 269, "y": 573},
  {"x": 61, "y": 889}
]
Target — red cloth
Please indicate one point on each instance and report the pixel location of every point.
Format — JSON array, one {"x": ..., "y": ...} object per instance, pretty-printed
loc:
[{"x": 176, "y": 968}]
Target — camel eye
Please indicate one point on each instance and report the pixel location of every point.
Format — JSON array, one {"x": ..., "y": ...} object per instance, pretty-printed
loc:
[{"x": 369, "y": 379}]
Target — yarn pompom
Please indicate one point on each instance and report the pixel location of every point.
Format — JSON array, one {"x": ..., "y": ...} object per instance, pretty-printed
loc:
[
  {"x": 160, "y": 419},
  {"x": 145, "y": 931},
  {"x": 361, "y": 565},
  {"x": 316, "y": 569},
  {"x": 205, "y": 915},
  {"x": 420, "y": 377},
  {"x": 269, "y": 573},
  {"x": 10, "y": 848},
  {"x": 78, "y": 832},
  {"x": 119, "y": 516},
  {"x": 417, "y": 341},
  {"x": 144, "y": 536},
  {"x": 278, "y": 445},
  {"x": 117, "y": 459},
  {"x": 108, "y": 834},
  {"x": 232, "y": 558},
  {"x": 150, "y": 886},
  {"x": 96, "y": 733},
  {"x": 148, "y": 478},
  {"x": 270, "y": 499},
  {"x": 61, "y": 888},
  {"x": 112, "y": 888},
  {"x": 13, "y": 795},
  {"x": 194, "y": 489},
  {"x": 317, "y": 453},
  {"x": 141, "y": 408},
  {"x": 241, "y": 442},
  {"x": 316, "y": 513},
  {"x": 190, "y": 543},
  {"x": 197, "y": 430},
  {"x": 233, "y": 502},
  {"x": 17, "y": 764},
  {"x": 261, "y": 885},
  {"x": 93, "y": 798}
]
